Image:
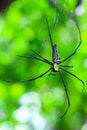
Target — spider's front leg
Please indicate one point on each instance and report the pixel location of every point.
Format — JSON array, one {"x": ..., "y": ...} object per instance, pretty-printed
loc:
[
  {"x": 74, "y": 52},
  {"x": 28, "y": 80}
]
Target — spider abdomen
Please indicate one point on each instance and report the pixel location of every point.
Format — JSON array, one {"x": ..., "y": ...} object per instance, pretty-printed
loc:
[{"x": 56, "y": 57}]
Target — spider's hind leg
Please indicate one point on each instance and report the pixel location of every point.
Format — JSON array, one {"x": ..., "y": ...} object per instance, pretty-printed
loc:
[{"x": 66, "y": 95}]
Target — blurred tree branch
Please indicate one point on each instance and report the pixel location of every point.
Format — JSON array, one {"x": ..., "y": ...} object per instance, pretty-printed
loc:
[{"x": 4, "y": 4}]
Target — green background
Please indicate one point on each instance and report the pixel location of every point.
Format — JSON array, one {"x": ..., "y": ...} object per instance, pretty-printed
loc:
[{"x": 38, "y": 105}]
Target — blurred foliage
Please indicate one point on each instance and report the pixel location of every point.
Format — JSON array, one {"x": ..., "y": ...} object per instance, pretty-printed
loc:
[{"x": 38, "y": 105}]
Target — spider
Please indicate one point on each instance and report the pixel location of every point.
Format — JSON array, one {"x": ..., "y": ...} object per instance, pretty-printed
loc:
[{"x": 56, "y": 66}]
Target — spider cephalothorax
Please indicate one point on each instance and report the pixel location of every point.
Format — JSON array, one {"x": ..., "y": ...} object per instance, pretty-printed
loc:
[{"x": 55, "y": 67}]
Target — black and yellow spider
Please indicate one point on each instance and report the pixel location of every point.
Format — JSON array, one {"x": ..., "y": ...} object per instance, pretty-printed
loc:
[{"x": 56, "y": 66}]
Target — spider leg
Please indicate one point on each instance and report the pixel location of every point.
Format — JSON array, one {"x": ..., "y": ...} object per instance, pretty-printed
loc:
[
  {"x": 42, "y": 57},
  {"x": 50, "y": 37},
  {"x": 66, "y": 94},
  {"x": 75, "y": 77},
  {"x": 76, "y": 47},
  {"x": 49, "y": 32},
  {"x": 29, "y": 79},
  {"x": 66, "y": 66},
  {"x": 34, "y": 58}
]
